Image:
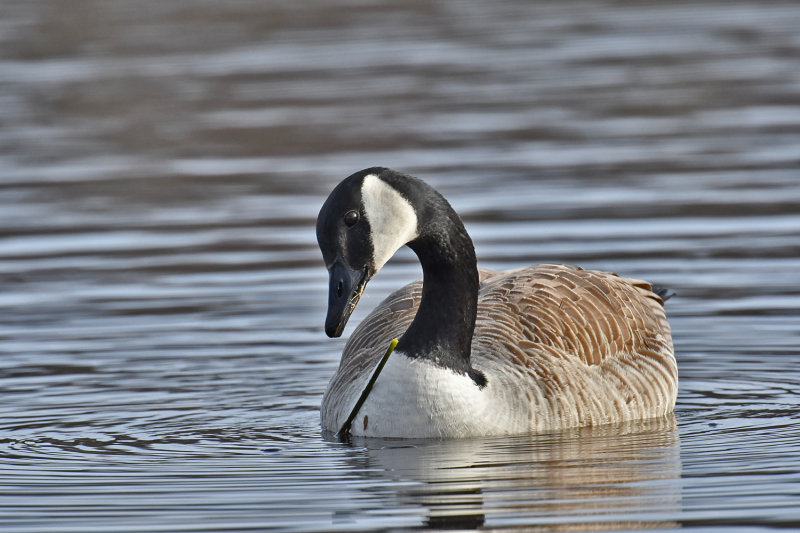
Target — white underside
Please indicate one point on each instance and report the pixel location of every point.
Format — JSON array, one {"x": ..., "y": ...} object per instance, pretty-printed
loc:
[{"x": 416, "y": 398}]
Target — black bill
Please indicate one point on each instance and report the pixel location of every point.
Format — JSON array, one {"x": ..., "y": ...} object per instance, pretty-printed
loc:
[{"x": 346, "y": 287}]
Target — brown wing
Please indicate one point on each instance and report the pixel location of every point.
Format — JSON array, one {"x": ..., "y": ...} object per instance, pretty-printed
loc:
[
  {"x": 588, "y": 314},
  {"x": 592, "y": 315},
  {"x": 581, "y": 347}
]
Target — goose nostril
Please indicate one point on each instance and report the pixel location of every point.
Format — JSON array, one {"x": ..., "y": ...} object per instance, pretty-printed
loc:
[{"x": 339, "y": 290}]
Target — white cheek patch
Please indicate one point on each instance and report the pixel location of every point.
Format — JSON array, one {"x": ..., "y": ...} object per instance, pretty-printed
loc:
[{"x": 391, "y": 217}]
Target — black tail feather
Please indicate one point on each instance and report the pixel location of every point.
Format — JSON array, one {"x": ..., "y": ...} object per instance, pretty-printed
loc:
[{"x": 663, "y": 292}]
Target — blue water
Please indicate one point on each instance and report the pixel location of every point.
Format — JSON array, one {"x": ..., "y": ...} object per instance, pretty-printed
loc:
[{"x": 162, "y": 357}]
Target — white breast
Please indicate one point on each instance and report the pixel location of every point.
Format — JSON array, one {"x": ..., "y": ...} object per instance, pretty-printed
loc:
[{"x": 416, "y": 398}]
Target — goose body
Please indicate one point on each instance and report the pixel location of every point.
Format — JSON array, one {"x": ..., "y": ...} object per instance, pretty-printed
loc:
[{"x": 481, "y": 352}]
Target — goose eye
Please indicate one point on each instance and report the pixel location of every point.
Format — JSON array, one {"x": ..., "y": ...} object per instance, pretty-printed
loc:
[{"x": 351, "y": 217}]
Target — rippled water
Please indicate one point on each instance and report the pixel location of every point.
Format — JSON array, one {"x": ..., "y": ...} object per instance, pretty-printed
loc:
[{"x": 162, "y": 298}]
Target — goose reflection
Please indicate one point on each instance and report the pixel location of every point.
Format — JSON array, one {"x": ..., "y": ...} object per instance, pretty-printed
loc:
[{"x": 584, "y": 479}]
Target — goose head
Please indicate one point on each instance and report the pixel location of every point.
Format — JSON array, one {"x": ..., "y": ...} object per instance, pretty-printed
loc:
[{"x": 364, "y": 221}]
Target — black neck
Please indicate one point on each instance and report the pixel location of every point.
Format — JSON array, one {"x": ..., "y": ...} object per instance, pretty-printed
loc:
[{"x": 445, "y": 321}]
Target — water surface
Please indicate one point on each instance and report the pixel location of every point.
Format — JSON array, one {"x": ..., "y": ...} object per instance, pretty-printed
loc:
[{"x": 162, "y": 297}]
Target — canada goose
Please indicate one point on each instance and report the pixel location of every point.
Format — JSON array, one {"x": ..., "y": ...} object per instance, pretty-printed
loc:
[{"x": 480, "y": 352}]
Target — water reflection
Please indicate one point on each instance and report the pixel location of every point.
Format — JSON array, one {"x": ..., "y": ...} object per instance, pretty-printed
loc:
[{"x": 603, "y": 477}]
